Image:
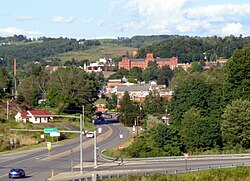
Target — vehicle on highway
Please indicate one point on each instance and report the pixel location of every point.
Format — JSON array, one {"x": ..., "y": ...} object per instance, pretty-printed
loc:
[
  {"x": 17, "y": 173},
  {"x": 90, "y": 134}
]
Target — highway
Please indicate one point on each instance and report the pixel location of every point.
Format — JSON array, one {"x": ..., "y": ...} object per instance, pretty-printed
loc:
[{"x": 38, "y": 163}]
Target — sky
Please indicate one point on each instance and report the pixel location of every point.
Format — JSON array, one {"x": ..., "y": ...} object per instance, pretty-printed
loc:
[{"x": 92, "y": 19}]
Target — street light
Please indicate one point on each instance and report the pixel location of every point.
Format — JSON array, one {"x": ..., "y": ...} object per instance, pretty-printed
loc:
[{"x": 95, "y": 146}]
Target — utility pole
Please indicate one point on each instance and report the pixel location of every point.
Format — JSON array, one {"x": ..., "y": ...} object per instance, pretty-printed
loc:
[
  {"x": 15, "y": 92},
  {"x": 72, "y": 159},
  {"x": 95, "y": 158},
  {"x": 81, "y": 118},
  {"x": 7, "y": 110}
]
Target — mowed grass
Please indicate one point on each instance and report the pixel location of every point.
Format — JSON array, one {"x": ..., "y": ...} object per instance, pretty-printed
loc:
[
  {"x": 95, "y": 53},
  {"x": 229, "y": 174}
]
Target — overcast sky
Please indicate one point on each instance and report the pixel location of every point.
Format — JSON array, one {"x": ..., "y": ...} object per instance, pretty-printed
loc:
[{"x": 124, "y": 18}]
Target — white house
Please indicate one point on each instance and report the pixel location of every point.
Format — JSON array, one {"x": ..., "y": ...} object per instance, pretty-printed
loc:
[{"x": 34, "y": 116}]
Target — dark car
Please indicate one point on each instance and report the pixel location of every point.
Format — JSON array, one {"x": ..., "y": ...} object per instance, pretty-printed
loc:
[{"x": 17, "y": 173}]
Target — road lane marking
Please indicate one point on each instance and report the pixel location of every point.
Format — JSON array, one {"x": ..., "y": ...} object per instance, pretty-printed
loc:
[{"x": 89, "y": 143}]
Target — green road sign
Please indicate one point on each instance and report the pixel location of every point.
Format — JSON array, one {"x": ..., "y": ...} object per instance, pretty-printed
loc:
[{"x": 50, "y": 130}]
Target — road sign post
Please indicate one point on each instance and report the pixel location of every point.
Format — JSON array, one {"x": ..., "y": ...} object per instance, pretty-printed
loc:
[
  {"x": 186, "y": 158},
  {"x": 121, "y": 148},
  {"x": 49, "y": 147}
]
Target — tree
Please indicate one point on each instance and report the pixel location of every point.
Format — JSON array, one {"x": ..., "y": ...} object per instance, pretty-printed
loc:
[
  {"x": 28, "y": 91},
  {"x": 151, "y": 72},
  {"x": 70, "y": 88},
  {"x": 136, "y": 72},
  {"x": 152, "y": 122},
  {"x": 179, "y": 77},
  {"x": 154, "y": 104},
  {"x": 5, "y": 83},
  {"x": 112, "y": 102},
  {"x": 236, "y": 125},
  {"x": 193, "y": 92},
  {"x": 239, "y": 75},
  {"x": 119, "y": 74},
  {"x": 199, "y": 133},
  {"x": 167, "y": 139},
  {"x": 128, "y": 111},
  {"x": 195, "y": 67},
  {"x": 165, "y": 74}
]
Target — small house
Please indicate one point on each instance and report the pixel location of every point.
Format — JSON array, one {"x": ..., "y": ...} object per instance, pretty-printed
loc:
[{"x": 34, "y": 116}]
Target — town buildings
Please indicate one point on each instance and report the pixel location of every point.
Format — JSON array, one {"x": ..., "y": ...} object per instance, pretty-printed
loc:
[
  {"x": 143, "y": 63},
  {"x": 137, "y": 92}
]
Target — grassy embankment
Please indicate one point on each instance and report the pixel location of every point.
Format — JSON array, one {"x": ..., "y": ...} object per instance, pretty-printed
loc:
[
  {"x": 27, "y": 140},
  {"x": 229, "y": 174}
]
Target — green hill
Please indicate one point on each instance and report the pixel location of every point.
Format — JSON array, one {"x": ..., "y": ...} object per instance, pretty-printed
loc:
[{"x": 94, "y": 53}]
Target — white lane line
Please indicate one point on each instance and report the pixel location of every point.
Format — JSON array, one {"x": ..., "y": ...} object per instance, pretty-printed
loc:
[
  {"x": 11, "y": 156},
  {"x": 1, "y": 176},
  {"x": 32, "y": 174},
  {"x": 113, "y": 140}
]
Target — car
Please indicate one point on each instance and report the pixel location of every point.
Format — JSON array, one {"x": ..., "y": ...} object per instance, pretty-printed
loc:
[
  {"x": 17, "y": 173},
  {"x": 90, "y": 134}
]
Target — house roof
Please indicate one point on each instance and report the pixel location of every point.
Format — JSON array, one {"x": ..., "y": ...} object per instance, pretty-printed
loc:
[
  {"x": 137, "y": 60},
  {"x": 24, "y": 115},
  {"x": 40, "y": 113},
  {"x": 144, "y": 87}
]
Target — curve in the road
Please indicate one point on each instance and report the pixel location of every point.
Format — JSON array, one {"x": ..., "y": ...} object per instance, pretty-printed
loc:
[{"x": 88, "y": 143}]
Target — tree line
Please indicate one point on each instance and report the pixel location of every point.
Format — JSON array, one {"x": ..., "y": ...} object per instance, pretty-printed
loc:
[
  {"x": 209, "y": 111},
  {"x": 65, "y": 90}
]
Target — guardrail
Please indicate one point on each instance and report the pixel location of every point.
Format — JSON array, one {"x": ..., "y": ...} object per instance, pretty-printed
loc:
[
  {"x": 174, "y": 157},
  {"x": 151, "y": 172}
]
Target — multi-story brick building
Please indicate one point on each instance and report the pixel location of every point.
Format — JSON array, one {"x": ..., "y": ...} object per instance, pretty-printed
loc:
[{"x": 143, "y": 63}]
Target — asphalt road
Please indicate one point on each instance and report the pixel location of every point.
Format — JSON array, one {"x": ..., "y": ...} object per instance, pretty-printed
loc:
[{"x": 39, "y": 163}]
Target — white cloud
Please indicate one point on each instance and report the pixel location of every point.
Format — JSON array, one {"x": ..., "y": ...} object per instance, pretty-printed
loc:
[
  {"x": 221, "y": 10},
  {"x": 232, "y": 28},
  {"x": 63, "y": 20},
  {"x": 10, "y": 31},
  {"x": 23, "y": 18},
  {"x": 88, "y": 21},
  {"x": 99, "y": 22},
  {"x": 183, "y": 16},
  {"x": 131, "y": 25}
]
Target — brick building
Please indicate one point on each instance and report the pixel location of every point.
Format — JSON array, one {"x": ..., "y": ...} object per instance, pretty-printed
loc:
[{"x": 143, "y": 63}]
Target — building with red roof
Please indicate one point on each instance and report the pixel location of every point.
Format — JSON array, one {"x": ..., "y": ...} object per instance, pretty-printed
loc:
[
  {"x": 143, "y": 63},
  {"x": 34, "y": 116}
]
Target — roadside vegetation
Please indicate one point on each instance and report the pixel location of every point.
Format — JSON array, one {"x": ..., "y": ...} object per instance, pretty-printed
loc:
[
  {"x": 229, "y": 174},
  {"x": 25, "y": 139}
]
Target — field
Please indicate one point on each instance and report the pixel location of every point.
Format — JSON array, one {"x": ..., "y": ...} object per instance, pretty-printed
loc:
[{"x": 95, "y": 53}]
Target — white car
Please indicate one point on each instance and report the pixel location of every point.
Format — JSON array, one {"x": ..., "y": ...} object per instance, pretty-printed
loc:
[{"x": 90, "y": 134}]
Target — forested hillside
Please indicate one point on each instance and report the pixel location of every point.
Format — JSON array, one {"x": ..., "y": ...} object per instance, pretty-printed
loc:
[
  {"x": 36, "y": 51},
  {"x": 186, "y": 48},
  {"x": 190, "y": 49}
]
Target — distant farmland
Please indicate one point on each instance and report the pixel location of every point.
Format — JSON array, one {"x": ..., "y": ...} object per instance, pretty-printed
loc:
[{"x": 94, "y": 53}]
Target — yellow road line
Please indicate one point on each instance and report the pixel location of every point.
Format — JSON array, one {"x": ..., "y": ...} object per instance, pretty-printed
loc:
[{"x": 88, "y": 143}]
